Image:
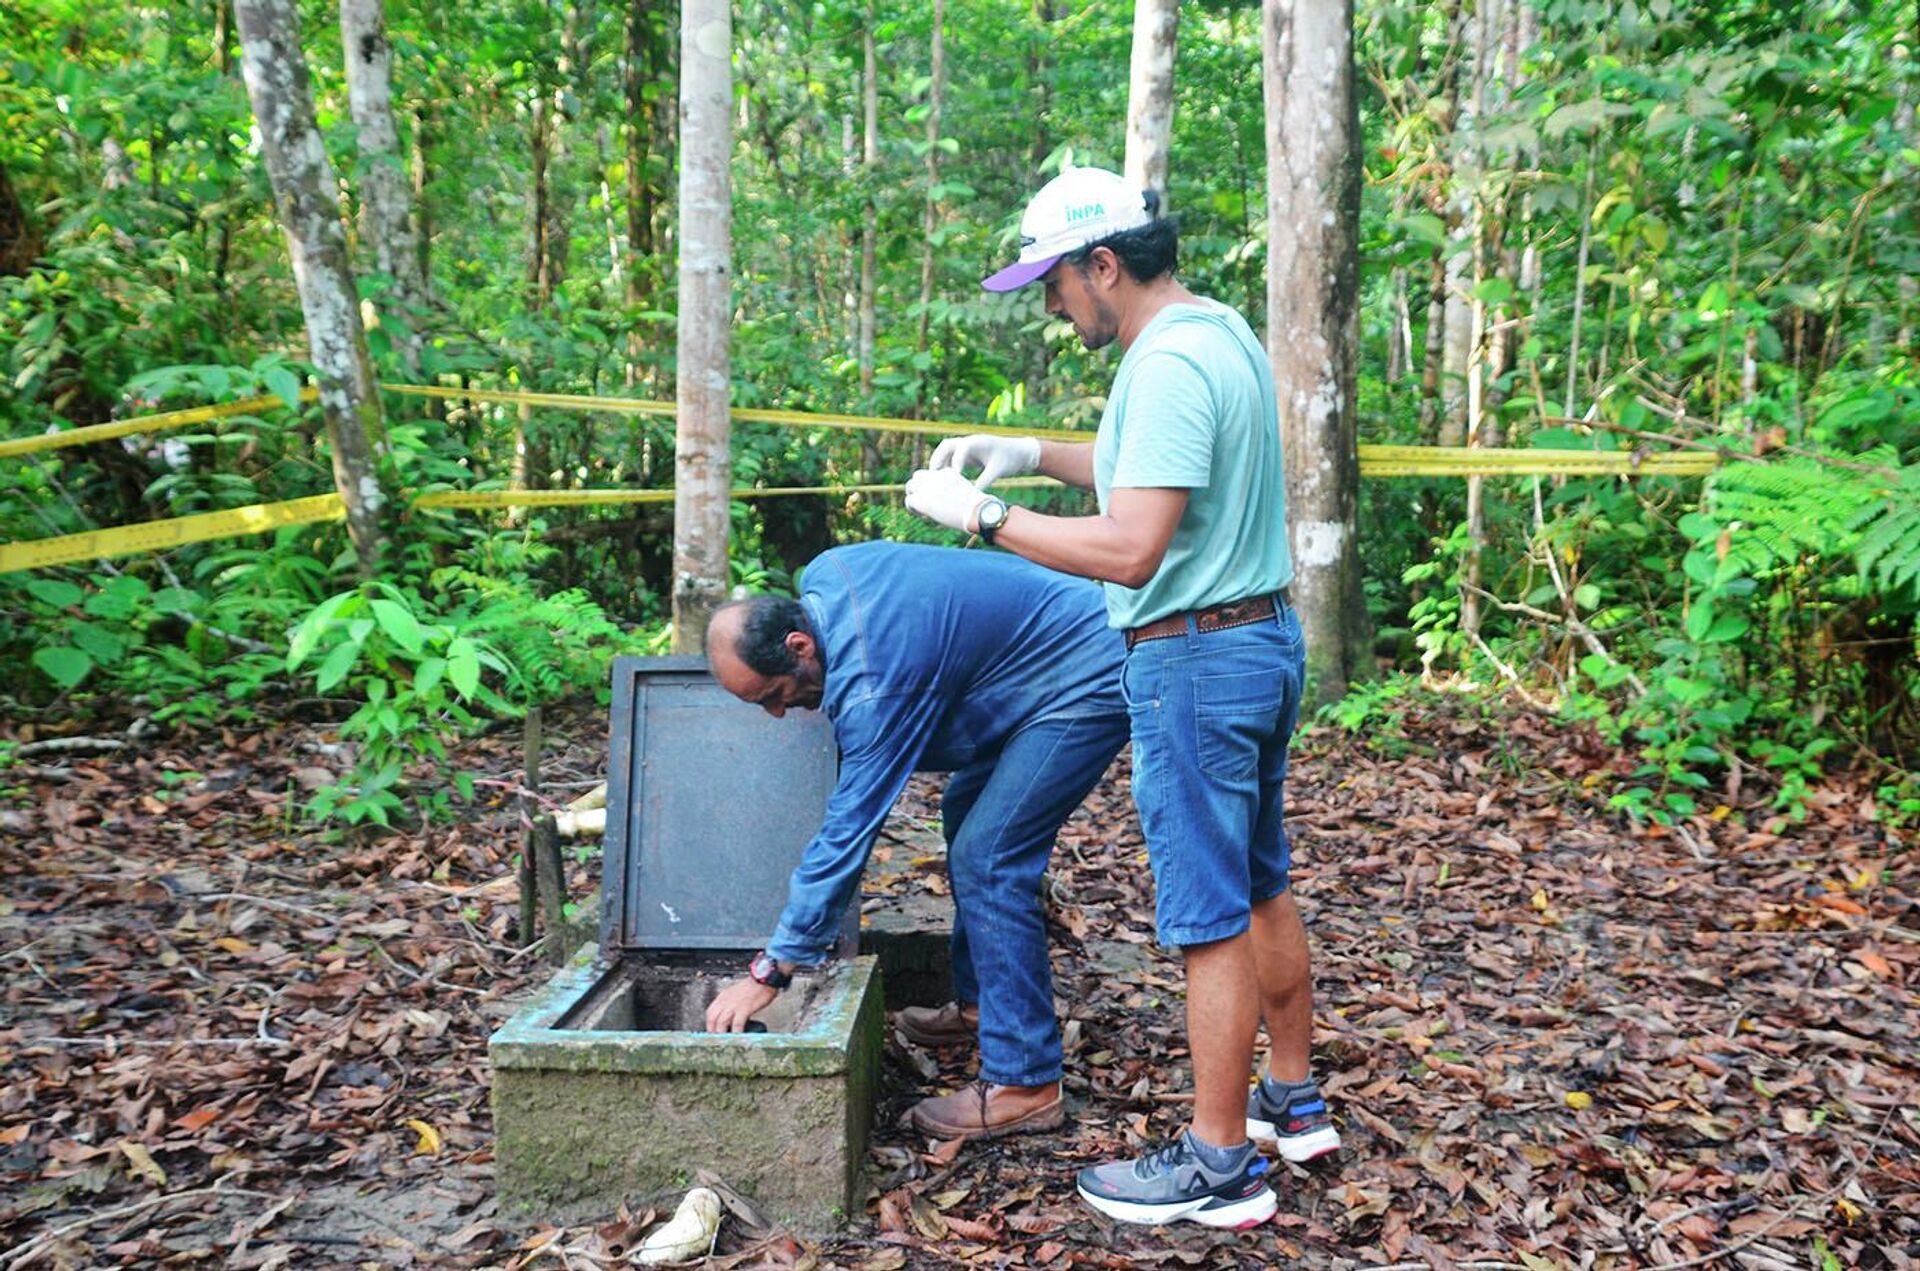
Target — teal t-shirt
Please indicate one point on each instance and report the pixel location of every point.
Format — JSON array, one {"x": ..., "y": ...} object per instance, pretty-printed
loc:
[{"x": 1193, "y": 408}]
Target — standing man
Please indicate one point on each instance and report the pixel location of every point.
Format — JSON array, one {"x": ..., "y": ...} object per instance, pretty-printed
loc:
[
  {"x": 1191, "y": 542},
  {"x": 932, "y": 659}
]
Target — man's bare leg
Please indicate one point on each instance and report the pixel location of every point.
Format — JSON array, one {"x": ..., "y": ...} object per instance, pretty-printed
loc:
[{"x": 1282, "y": 962}]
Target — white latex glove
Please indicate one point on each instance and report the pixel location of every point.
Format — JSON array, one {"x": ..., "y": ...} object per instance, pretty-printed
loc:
[
  {"x": 996, "y": 457},
  {"x": 945, "y": 496}
]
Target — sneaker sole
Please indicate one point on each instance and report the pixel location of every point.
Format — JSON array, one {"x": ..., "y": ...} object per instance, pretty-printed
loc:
[
  {"x": 1298, "y": 1148},
  {"x": 1209, "y": 1211}
]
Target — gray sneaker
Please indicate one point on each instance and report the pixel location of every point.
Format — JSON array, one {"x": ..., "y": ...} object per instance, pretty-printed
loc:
[
  {"x": 1171, "y": 1184},
  {"x": 1301, "y": 1128}
]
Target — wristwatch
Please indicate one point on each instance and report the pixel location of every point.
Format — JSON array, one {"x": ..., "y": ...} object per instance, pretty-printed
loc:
[
  {"x": 991, "y": 514},
  {"x": 764, "y": 970}
]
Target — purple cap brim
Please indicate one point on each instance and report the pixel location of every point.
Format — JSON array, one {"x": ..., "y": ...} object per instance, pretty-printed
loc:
[{"x": 1019, "y": 274}]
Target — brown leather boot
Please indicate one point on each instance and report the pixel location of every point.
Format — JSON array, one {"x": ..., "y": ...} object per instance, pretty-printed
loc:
[
  {"x": 949, "y": 1025},
  {"x": 983, "y": 1111}
]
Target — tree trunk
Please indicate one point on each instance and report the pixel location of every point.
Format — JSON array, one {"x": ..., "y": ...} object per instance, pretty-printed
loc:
[
  {"x": 386, "y": 220},
  {"x": 539, "y": 252},
  {"x": 936, "y": 90},
  {"x": 1480, "y": 355},
  {"x": 19, "y": 240},
  {"x": 702, "y": 460},
  {"x": 422, "y": 224},
  {"x": 1156, "y": 33},
  {"x": 223, "y": 37},
  {"x": 1462, "y": 215},
  {"x": 303, "y": 193},
  {"x": 645, "y": 68},
  {"x": 1313, "y": 278},
  {"x": 1430, "y": 354},
  {"x": 1906, "y": 49},
  {"x": 869, "y": 211}
]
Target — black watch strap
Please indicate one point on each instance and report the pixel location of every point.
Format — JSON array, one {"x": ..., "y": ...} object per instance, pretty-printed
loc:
[{"x": 764, "y": 970}]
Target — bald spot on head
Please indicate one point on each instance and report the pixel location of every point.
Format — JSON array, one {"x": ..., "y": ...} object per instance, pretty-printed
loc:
[
  {"x": 775, "y": 694},
  {"x": 723, "y": 643}
]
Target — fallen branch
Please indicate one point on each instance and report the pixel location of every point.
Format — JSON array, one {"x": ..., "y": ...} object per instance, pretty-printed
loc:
[
  {"x": 1513, "y": 677},
  {"x": 61, "y": 745},
  {"x": 264, "y": 901},
  {"x": 21, "y": 1254},
  {"x": 269, "y": 1042}
]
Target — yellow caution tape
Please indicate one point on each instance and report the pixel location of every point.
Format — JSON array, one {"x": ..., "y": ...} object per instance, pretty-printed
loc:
[
  {"x": 746, "y": 414},
  {"x": 155, "y": 536},
  {"x": 1375, "y": 460},
  {"x": 145, "y": 423},
  {"x": 474, "y": 500},
  {"x": 1487, "y": 461}
]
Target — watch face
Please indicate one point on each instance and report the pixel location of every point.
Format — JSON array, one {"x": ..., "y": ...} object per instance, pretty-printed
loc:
[{"x": 993, "y": 514}]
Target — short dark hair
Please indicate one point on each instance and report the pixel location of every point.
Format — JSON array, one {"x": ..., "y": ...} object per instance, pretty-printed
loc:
[
  {"x": 765, "y": 624},
  {"x": 1146, "y": 252}
]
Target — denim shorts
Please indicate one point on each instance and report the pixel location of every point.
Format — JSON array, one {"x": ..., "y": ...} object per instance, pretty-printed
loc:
[{"x": 1211, "y": 714}]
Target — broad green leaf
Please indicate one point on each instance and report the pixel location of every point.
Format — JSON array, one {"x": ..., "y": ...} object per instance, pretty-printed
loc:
[
  {"x": 1727, "y": 628},
  {"x": 103, "y": 646},
  {"x": 1699, "y": 620},
  {"x": 1686, "y": 691},
  {"x": 314, "y": 625},
  {"x": 64, "y": 665},
  {"x": 55, "y": 592},
  {"x": 400, "y": 625},
  {"x": 1699, "y": 527},
  {"x": 284, "y": 384},
  {"x": 119, "y": 597},
  {"x": 463, "y": 667},
  {"x": 336, "y": 666}
]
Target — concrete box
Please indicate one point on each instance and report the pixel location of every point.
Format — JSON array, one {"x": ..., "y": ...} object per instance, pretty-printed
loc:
[
  {"x": 604, "y": 1090},
  {"x": 605, "y": 1087}
]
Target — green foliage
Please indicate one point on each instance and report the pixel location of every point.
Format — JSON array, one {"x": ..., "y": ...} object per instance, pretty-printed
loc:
[
  {"x": 427, "y": 665},
  {"x": 1719, "y": 190}
]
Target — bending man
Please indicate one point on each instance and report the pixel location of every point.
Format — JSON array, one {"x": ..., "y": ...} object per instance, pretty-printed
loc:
[{"x": 932, "y": 659}]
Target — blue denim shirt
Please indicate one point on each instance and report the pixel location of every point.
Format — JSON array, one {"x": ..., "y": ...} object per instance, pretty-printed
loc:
[{"x": 934, "y": 657}]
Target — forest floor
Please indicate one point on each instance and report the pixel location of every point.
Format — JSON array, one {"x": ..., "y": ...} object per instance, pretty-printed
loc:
[{"x": 1552, "y": 1039}]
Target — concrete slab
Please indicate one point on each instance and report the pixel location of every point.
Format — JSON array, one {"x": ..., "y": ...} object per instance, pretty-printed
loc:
[{"x": 590, "y": 1108}]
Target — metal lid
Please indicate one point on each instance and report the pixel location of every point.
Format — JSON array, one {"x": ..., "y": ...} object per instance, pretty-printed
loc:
[{"x": 710, "y": 803}]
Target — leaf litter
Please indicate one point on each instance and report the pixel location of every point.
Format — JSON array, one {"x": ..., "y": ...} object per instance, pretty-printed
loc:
[{"x": 1553, "y": 1039}]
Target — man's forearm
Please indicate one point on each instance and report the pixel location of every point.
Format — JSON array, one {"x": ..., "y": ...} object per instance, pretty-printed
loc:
[
  {"x": 1068, "y": 461},
  {"x": 1123, "y": 545},
  {"x": 1093, "y": 547}
]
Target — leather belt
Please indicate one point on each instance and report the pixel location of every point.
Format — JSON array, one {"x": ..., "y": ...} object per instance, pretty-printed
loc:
[{"x": 1235, "y": 613}]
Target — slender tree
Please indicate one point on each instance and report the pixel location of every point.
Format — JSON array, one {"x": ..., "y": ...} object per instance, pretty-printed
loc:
[
  {"x": 303, "y": 194},
  {"x": 1462, "y": 335},
  {"x": 1156, "y": 34},
  {"x": 936, "y": 94},
  {"x": 386, "y": 220},
  {"x": 645, "y": 66},
  {"x": 702, "y": 459},
  {"x": 1313, "y": 291},
  {"x": 869, "y": 213}
]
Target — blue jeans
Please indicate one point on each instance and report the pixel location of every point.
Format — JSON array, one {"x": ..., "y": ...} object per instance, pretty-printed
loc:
[
  {"x": 999, "y": 817},
  {"x": 1212, "y": 713}
]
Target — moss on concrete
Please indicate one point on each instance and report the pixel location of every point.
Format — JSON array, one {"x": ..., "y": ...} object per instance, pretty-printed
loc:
[{"x": 584, "y": 1121}]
